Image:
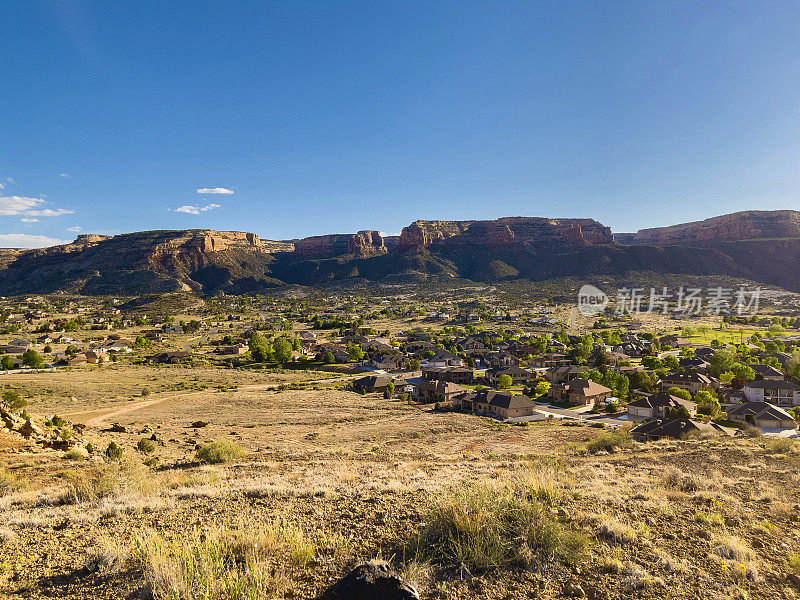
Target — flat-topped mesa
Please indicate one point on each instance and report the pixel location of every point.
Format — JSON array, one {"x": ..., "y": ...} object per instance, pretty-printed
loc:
[
  {"x": 746, "y": 225},
  {"x": 507, "y": 231},
  {"x": 363, "y": 243}
]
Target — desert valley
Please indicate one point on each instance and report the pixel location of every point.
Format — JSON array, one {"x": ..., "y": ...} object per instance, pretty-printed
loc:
[{"x": 456, "y": 438}]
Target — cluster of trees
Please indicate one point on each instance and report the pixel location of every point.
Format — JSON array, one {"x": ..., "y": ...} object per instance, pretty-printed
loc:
[{"x": 261, "y": 350}]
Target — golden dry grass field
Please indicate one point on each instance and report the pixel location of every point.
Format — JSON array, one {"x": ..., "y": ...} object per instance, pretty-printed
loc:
[{"x": 328, "y": 478}]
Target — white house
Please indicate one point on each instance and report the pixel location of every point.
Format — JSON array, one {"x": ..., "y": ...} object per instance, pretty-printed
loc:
[{"x": 774, "y": 391}]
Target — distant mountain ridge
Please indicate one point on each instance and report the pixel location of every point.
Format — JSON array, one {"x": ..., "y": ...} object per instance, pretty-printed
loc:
[
  {"x": 763, "y": 246},
  {"x": 734, "y": 227}
]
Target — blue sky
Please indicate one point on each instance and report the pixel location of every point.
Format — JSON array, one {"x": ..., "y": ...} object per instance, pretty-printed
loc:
[{"x": 324, "y": 117}]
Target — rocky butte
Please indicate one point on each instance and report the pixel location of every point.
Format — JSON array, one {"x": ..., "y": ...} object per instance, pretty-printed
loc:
[
  {"x": 363, "y": 243},
  {"x": 508, "y": 231}
]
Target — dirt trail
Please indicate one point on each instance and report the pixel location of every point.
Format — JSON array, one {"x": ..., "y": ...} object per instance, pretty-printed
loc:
[{"x": 99, "y": 417}]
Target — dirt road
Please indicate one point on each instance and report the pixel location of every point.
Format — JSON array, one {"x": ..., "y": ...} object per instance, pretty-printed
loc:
[{"x": 101, "y": 416}]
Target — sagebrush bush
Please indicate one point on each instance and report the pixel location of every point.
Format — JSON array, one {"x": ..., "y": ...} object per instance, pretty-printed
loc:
[
  {"x": 487, "y": 527},
  {"x": 220, "y": 451},
  {"x": 780, "y": 445},
  {"x": 112, "y": 479},
  {"x": 145, "y": 446},
  {"x": 609, "y": 441}
]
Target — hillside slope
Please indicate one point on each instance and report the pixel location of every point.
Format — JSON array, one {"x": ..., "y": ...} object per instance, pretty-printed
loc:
[{"x": 760, "y": 246}]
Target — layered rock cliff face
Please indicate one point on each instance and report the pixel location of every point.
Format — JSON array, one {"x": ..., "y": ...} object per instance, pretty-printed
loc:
[
  {"x": 509, "y": 231},
  {"x": 747, "y": 225},
  {"x": 363, "y": 243},
  {"x": 205, "y": 261}
]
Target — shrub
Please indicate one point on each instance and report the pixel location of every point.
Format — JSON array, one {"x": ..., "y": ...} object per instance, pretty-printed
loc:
[
  {"x": 13, "y": 400},
  {"x": 112, "y": 479},
  {"x": 8, "y": 483},
  {"x": 780, "y": 445},
  {"x": 609, "y": 441},
  {"x": 74, "y": 455},
  {"x": 145, "y": 446},
  {"x": 486, "y": 527},
  {"x": 55, "y": 421},
  {"x": 220, "y": 451},
  {"x": 113, "y": 451},
  {"x": 794, "y": 562}
]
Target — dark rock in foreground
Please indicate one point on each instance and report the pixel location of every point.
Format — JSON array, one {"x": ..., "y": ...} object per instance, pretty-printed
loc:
[{"x": 372, "y": 581}]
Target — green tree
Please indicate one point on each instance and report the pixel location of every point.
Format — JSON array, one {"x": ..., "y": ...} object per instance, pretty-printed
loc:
[
  {"x": 542, "y": 388},
  {"x": 743, "y": 372},
  {"x": 679, "y": 412},
  {"x": 671, "y": 362},
  {"x": 355, "y": 352},
  {"x": 31, "y": 358},
  {"x": 282, "y": 350},
  {"x": 328, "y": 358},
  {"x": 722, "y": 360},
  {"x": 259, "y": 347},
  {"x": 7, "y": 363},
  {"x": 707, "y": 403},
  {"x": 504, "y": 381},
  {"x": 71, "y": 350},
  {"x": 680, "y": 393},
  {"x": 414, "y": 364},
  {"x": 13, "y": 400}
]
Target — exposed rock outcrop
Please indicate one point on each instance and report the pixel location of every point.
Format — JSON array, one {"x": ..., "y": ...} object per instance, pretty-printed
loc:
[
  {"x": 508, "y": 231},
  {"x": 363, "y": 243},
  {"x": 746, "y": 225}
]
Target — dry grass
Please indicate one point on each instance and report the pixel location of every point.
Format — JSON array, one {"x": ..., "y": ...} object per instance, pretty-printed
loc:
[
  {"x": 7, "y": 535},
  {"x": 9, "y": 484},
  {"x": 244, "y": 562},
  {"x": 615, "y": 530},
  {"x": 484, "y": 527},
  {"x": 117, "y": 478}
]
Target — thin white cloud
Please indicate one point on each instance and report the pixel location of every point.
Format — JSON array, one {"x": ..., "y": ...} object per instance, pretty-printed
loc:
[
  {"x": 216, "y": 190},
  {"x": 2, "y": 185},
  {"x": 11, "y": 180},
  {"x": 24, "y": 220},
  {"x": 23, "y": 240},
  {"x": 29, "y": 207},
  {"x": 196, "y": 210},
  {"x": 63, "y": 174},
  {"x": 75, "y": 229},
  {"x": 50, "y": 212}
]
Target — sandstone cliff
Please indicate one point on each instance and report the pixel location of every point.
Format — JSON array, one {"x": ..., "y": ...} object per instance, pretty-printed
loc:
[
  {"x": 508, "y": 231},
  {"x": 363, "y": 243},
  {"x": 747, "y": 225}
]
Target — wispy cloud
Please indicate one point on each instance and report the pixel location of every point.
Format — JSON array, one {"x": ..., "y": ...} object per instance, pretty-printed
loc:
[
  {"x": 63, "y": 174},
  {"x": 75, "y": 229},
  {"x": 29, "y": 207},
  {"x": 25, "y": 220},
  {"x": 23, "y": 240},
  {"x": 216, "y": 190},
  {"x": 196, "y": 210},
  {"x": 2, "y": 185}
]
